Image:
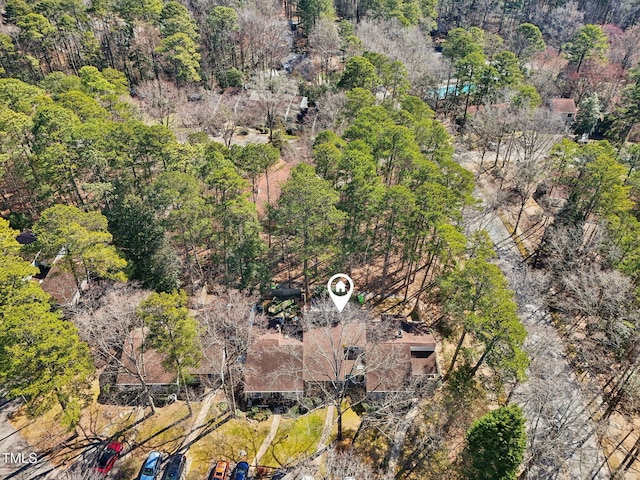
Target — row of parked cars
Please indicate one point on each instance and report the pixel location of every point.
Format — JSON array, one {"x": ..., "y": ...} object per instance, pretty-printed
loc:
[
  {"x": 174, "y": 469},
  {"x": 176, "y": 465},
  {"x": 151, "y": 467},
  {"x": 221, "y": 471}
]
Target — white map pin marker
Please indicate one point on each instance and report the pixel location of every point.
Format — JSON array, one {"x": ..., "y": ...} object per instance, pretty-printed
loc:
[{"x": 342, "y": 295}]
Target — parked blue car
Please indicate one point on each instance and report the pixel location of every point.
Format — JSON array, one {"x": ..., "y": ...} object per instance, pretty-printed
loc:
[
  {"x": 241, "y": 472},
  {"x": 175, "y": 467},
  {"x": 150, "y": 467}
]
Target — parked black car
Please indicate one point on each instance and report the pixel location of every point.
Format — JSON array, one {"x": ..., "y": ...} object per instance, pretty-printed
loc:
[{"x": 175, "y": 467}]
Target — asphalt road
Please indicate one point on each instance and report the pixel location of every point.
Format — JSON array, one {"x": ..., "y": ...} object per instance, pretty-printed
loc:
[
  {"x": 562, "y": 437},
  {"x": 19, "y": 460}
]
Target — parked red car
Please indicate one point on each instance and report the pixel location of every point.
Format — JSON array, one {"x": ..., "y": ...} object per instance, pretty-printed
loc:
[
  {"x": 220, "y": 471},
  {"x": 108, "y": 457}
]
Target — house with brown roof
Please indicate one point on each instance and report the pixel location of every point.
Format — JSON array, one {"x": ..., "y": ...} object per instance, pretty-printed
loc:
[
  {"x": 414, "y": 360},
  {"x": 335, "y": 353},
  {"x": 355, "y": 353},
  {"x": 139, "y": 364},
  {"x": 273, "y": 368},
  {"x": 142, "y": 364},
  {"x": 565, "y": 108},
  {"x": 62, "y": 286}
]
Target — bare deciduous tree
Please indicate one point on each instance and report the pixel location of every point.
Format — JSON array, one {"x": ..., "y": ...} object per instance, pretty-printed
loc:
[
  {"x": 338, "y": 464},
  {"x": 625, "y": 45},
  {"x": 324, "y": 42},
  {"x": 490, "y": 127},
  {"x": 559, "y": 23},
  {"x": 539, "y": 132},
  {"x": 557, "y": 436},
  {"x": 229, "y": 323},
  {"x": 203, "y": 114},
  {"x": 329, "y": 108},
  {"x": 160, "y": 99},
  {"x": 263, "y": 38},
  {"x": 348, "y": 464},
  {"x": 408, "y": 44},
  {"x": 106, "y": 323},
  {"x": 600, "y": 296}
]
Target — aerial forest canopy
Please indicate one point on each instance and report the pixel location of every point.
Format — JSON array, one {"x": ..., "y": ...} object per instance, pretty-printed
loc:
[{"x": 113, "y": 195}]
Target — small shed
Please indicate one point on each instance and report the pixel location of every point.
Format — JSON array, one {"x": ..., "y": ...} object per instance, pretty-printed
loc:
[{"x": 565, "y": 108}]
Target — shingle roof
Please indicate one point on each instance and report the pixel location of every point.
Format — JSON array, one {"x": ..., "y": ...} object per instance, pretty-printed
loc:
[
  {"x": 61, "y": 286},
  {"x": 400, "y": 359},
  {"x": 278, "y": 364},
  {"x": 150, "y": 362},
  {"x": 324, "y": 358},
  {"x": 563, "y": 105},
  {"x": 274, "y": 364}
]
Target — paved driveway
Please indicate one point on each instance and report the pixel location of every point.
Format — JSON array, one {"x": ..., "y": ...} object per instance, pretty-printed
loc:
[
  {"x": 563, "y": 439},
  {"x": 19, "y": 460}
]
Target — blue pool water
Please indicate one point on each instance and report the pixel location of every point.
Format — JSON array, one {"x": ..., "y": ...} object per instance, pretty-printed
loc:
[{"x": 451, "y": 90}]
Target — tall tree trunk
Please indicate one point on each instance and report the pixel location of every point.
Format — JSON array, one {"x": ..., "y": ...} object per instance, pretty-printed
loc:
[
  {"x": 483, "y": 357},
  {"x": 455, "y": 354},
  {"x": 340, "y": 412}
]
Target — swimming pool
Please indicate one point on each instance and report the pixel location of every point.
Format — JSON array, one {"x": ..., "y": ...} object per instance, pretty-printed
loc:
[{"x": 444, "y": 91}]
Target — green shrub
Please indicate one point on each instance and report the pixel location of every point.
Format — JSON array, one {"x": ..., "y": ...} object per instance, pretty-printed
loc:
[{"x": 259, "y": 414}]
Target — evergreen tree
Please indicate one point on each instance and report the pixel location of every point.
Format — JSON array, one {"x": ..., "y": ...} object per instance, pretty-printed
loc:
[
  {"x": 42, "y": 358},
  {"x": 172, "y": 332},
  {"x": 598, "y": 185},
  {"x": 83, "y": 240},
  {"x": 628, "y": 114},
  {"x": 495, "y": 445},
  {"x": 476, "y": 297},
  {"x": 185, "y": 214},
  {"x": 139, "y": 234},
  {"x": 528, "y": 41},
  {"x": 589, "y": 114},
  {"x": 358, "y": 72},
  {"x": 310, "y": 11},
  {"x": 306, "y": 217},
  {"x": 588, "y": 42}
]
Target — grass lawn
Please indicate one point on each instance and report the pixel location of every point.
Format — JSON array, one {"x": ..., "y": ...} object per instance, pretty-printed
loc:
[
  {"x": 295, "y": 439},
  {"x": 226, "y": 442},
  {"x": 166, "y": 430},
  {"x": 350, "y": 423},
  {"x": 97, "y": 421},
  {"x": 43, "y": 432}
]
